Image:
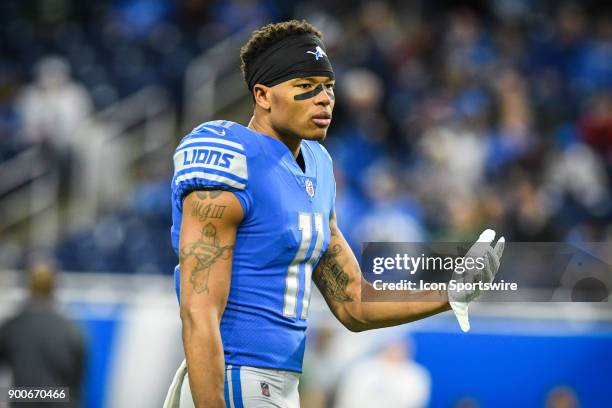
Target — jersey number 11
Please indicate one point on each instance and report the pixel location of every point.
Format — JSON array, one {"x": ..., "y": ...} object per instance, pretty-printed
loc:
[{"x": 292, "y": 281}]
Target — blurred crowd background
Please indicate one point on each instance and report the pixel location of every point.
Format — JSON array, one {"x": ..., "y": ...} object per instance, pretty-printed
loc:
[{"x": 450, "y": 117}]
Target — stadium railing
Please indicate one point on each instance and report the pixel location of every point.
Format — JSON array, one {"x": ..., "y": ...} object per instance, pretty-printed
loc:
[
  {"x": 139, "y": 126},
  {"x": 29, "y": 192}
]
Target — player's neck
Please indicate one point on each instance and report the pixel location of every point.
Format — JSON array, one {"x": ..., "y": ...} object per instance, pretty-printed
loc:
[{"x": 260, "y": 126}]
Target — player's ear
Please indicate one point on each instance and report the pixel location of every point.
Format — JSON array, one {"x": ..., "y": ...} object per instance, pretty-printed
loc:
[{"x": 262, "y": 95}]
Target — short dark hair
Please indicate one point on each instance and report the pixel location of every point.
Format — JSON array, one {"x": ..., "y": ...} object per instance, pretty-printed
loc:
[{"x": 269, "y": 35}]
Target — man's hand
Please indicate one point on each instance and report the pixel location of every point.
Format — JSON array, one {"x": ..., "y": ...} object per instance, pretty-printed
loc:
[{"x": 483, "y": 249}]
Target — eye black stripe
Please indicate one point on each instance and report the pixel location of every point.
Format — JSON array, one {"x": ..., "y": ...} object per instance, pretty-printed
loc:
[{"x": 309, "y": 94}]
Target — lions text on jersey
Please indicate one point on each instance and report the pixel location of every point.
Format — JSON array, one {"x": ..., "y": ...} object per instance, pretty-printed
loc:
[{"x": 282, "y": 236}]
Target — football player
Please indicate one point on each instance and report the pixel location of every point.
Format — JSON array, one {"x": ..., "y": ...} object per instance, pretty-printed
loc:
[{"x": 254, "y": 225}]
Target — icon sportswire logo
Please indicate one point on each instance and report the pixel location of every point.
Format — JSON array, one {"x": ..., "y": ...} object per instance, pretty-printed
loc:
[{"x": 318, "y": 53}]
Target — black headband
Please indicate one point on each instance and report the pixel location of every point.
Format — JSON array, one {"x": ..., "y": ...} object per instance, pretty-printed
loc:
[{"x": 298, "y": 56}]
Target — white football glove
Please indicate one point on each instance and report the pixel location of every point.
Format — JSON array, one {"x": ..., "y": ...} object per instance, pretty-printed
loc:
[{"x": 482, "y": 248}]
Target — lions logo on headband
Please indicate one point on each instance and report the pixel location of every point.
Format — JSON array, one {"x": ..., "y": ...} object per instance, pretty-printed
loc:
[
  {"x": 288, "y": 59},
  {"x": 318, "y": 53}
]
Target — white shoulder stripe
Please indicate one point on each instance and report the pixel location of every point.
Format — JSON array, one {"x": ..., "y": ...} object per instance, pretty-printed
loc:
[
  {"x": 213, "y": 158},
  {"x": 211, "y": 177},
  {"x": 211, "y": 139}
]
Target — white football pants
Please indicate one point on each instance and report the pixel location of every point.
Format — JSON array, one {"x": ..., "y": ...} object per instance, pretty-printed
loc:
[{"x": 245, "y": 387}]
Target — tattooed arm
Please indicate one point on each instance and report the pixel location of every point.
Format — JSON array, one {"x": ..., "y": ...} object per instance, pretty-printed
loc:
[
  {"x": 338, "y": 277},
  {"x": 208, "y": 234}
]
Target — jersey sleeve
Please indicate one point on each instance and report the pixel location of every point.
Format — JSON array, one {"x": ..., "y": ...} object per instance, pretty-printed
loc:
[{"x": 211, "y": 158}]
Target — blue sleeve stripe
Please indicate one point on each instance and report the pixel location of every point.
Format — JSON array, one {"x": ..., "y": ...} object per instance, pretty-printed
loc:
[
  {"x": 237, "y": 387},
  {"x": 210, "y": 177},
  {"x": 213, "y": 139},
  {"x": 210, "y": 171},
  {"x": 210, "y": 144}
]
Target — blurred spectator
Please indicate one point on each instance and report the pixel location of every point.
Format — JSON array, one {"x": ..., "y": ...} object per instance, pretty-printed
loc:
[
  {"x": 579, "y": 174},
  {"x": 596, "y": 124},
  {"x": 53, "y": 110},
  {"x": 362, "y": 138},
  {"x": 54, "y": 106},
  {"x": 42, "y": 347},
  {"x": 562, "y": 397},
  {"x": 320, "y": 371},
  {"x": 138, "y": 18},
  {"x": 389, "y": 379},
  {"x": 10, "y": 144},
  {"x": 352, "y": 205},
  {"x": 467, "y": 402},
  {"x": 392, "y": 216},
  {"x": 236, "y": 14}
]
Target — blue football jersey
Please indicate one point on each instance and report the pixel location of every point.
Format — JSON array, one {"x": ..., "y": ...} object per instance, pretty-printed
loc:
[{"x": 280, "y": 240}]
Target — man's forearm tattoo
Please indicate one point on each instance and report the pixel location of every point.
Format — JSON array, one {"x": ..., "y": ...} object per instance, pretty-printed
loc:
[
  {"x": 330, "y": 276},
  {"x": 207, "y": 251}
]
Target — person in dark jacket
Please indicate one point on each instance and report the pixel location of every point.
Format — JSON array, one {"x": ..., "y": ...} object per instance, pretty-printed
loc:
[{"x": 40, "y": 345}]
